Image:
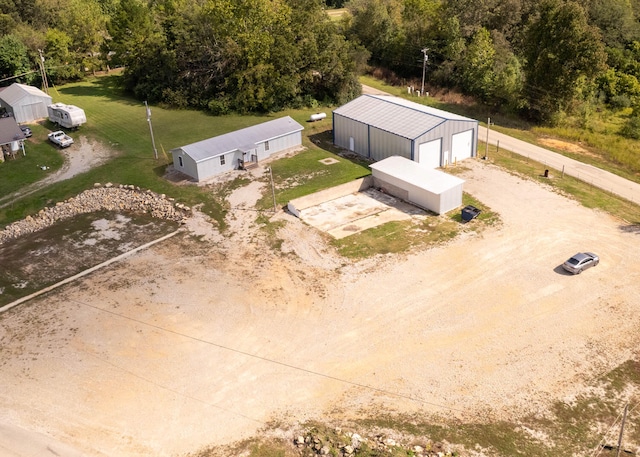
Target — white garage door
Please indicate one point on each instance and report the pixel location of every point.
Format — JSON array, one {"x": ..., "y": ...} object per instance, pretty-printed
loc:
[
  {"x": 461, "y": 144},
  {"x": 429, "y": 153}
]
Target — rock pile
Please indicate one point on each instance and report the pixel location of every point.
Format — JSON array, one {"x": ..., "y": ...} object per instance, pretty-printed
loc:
[
  {"x": 126, "y": 198},
  {"x": 313, "y": 442}
]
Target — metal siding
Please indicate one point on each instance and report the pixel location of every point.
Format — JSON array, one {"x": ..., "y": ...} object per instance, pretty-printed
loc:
[
  {"x": 430, "y": 189},
  {"x": 396, "y": 115},
  {"x": 211, "y": 167},
  {"x": 424, "y": 198},
  {"x": 451, "y": 199},
  {"x": 246, "y": 138},
  {"x": 279, "y": 144},
  {"x": 462, "y": 142},
  {"x": 430, "y": 153},
  {"x": 453, "y": 127},
  {"x": 189, "y": 167},
  {"x": 385, "y": 144},
  {"x": 345, "y": 128}
]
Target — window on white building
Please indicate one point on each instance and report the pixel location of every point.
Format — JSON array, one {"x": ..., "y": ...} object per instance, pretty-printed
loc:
[{"x": 221, "y": 160}]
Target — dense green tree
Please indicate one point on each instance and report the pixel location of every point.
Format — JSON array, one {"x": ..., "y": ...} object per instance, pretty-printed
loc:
[
  {"x": 377, "y": 25},
  {"x": 478, "y": 59},
  {"x": 616, "y": 21},
  {"x": 564, "y": 53},
  {"x": 59, "y": 59},
  {"x": 14, "y": 60},
  {"x": 509, "y": 75},
  {"x": 137, "y": 42}
]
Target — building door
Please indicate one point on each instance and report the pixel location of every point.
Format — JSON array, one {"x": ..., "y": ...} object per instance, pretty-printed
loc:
[
  {"x": 461, "y": 144},
  {"x": 352, "y": 144},
  {"x": 430, "y": 153}
]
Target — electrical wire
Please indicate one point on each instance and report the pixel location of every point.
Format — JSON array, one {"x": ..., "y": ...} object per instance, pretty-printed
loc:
[{"x": 273, "y": 361}]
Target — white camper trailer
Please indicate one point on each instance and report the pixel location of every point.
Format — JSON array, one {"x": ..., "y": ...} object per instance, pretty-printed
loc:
[{"x": 68, "y": 116}]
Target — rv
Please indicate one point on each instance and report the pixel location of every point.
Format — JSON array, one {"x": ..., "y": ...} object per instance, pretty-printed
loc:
[{"x": 68, "y": 116}]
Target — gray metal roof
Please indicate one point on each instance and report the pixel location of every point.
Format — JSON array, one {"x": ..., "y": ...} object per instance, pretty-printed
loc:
[
  {"x": 243, "y": 139},
  {"x": 413, "y": 173},
  {"x": 15, "y": 92},
  {"x": 9, "y": 131},
  {"x": 397, "y": 115}
]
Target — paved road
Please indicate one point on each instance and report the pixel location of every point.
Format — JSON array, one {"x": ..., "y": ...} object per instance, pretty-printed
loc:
[{"x": 552, "y": 160}]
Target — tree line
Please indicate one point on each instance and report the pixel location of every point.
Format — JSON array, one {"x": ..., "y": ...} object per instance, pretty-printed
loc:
[{"x": 537, "y": 58}]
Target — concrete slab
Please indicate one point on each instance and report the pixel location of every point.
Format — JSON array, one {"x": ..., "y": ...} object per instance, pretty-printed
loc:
[{"x": 357, "y": 211}]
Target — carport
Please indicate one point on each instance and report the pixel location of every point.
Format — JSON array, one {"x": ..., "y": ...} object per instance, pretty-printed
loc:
[{"x": 430, "y": 189}]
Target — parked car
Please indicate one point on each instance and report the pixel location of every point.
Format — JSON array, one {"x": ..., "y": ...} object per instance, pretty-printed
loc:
[
  {"x": 580, "y": 262},
  {"x": 27, "y": 131}
]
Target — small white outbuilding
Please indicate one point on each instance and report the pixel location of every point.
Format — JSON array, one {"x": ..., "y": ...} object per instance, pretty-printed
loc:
[{"x": 430, "y": 189}]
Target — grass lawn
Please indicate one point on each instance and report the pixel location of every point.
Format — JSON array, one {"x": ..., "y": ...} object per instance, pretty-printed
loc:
[
  {"x": 27, "y": 169},
  {"x": 121, "y": 122}
]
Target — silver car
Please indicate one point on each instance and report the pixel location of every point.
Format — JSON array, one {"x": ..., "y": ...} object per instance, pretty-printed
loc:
[{"x": 580, "y": 262}]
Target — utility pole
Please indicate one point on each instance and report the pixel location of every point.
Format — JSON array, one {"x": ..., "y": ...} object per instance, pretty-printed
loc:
[
  {"x": 153, "y": 141},
  {"x": 486, "y": 152},
  {"x": 424, "y": 67},
  {"x": 43, "y": 73},
  {"x": 624, "y": 418},
  {"x": 273, "y": 189}
]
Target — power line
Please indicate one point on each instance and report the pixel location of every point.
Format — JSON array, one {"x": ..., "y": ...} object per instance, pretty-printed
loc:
[{"x": 273, "y": 361}]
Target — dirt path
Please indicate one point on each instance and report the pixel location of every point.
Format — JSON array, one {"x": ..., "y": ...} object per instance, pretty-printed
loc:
[
  {"x": 205, "y": 339},
  {"x": 78, "y": 158}
]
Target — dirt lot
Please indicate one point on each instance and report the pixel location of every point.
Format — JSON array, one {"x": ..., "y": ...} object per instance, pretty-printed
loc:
[{"x": 205, "y": 338}]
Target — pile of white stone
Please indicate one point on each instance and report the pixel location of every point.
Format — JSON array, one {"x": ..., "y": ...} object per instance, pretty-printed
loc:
[
  {"x": 312, "y": 443},
  {"x": 107, "y": 197}
]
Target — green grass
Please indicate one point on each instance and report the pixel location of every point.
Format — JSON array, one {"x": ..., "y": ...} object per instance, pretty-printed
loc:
[
  {"x": 121, "y": 123},
  {"x": 304, "y": 174},
  {"x": 27, "y": 169},
  {"x": 402, "y": 236}
]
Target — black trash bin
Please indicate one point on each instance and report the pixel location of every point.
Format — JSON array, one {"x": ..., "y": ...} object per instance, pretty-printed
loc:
[{"x": 470, "y": 212}]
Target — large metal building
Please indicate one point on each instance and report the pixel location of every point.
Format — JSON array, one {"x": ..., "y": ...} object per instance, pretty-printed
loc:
[
  {"x": 238, "y": 149},
  {"x": 25, "y": 103},
  {"x": 381, "y": 126}
]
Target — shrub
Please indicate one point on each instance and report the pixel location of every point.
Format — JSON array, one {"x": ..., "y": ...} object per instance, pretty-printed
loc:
[{"x": 631, "y": 128}]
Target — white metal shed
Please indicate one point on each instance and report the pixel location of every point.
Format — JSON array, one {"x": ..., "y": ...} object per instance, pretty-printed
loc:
[
  {"x": 237, "y": 149},
  {"x": 25, "y": 103},
  {"x": 381, "y": 126},
  {"x": 430, "y": 189}
]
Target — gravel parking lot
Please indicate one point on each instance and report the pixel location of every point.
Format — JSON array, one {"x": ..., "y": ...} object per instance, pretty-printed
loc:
[{"x": 204, "y": 339}]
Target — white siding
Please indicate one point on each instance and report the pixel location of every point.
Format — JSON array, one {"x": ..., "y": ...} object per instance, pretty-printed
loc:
[
  {"x": 461, "y": 146},
  {"x": 430, "y": 154},
  {"x": 346, "y": 130},
  {"x": 430, "y": 189}
]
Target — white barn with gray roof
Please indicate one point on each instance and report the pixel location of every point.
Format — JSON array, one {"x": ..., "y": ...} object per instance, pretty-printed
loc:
[
  {"x": 25, "y": 103},
  {"x": 381, "y": 126},
  {"x": 238, "y": 149}
]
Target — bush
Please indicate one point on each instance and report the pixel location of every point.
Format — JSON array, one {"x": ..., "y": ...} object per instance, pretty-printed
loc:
[
  {"x": 620, "y": 102},
  {"x": 631, "y": 128},
  {"x": 218, "y": 107}
]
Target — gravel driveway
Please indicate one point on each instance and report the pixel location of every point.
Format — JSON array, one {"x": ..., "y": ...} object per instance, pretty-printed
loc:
[{"x": 204, "y": 339}]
